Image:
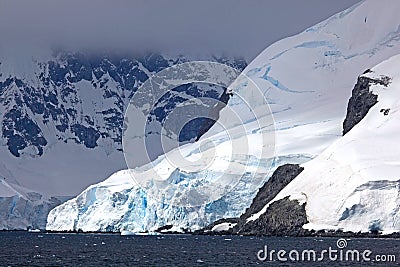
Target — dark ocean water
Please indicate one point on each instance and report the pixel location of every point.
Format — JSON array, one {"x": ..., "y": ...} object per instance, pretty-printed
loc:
[{"x": 41, "y": 249}]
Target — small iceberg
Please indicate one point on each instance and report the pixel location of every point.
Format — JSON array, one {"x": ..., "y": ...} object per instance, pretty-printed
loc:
[{"x": 125, "y": 232}]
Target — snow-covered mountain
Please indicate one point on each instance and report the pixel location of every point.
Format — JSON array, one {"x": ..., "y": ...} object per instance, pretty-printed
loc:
[
  {"x": 354, "y": 184},
  {"x": 61, "y": 116},
  {"x": 59, "y": 111},
  {"x": 307, "y": 80}
]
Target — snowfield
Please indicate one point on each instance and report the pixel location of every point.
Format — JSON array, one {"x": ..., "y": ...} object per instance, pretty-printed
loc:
[
  {"x": 354, "y": 184},
  {"x": 307, "y": 80}
]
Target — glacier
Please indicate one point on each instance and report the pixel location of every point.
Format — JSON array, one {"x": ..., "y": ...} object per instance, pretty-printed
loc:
[
  {"x": 22, "y": 209},
  {"x": 307, "y": 79}
]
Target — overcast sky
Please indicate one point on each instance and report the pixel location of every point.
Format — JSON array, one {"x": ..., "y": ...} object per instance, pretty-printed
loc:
[{"x": 198, "y": 27}]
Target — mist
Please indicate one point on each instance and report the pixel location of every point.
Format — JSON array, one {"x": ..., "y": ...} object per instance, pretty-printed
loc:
[{"x": 236, "y": 28}]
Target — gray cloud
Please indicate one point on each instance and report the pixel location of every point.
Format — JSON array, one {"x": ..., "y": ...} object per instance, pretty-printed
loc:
[{"x": 239, "y": 27}]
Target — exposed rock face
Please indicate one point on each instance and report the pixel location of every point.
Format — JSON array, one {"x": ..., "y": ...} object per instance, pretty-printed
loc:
[
  {"x": 283, "y": 217},
  {"x": 282, "y": 176},
  {"x": 362, "y": 99},
  {"x": 213, "y": 115}
]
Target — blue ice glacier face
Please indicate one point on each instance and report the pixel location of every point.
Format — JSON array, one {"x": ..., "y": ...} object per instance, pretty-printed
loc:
[
  {"x": 131, "y": 208},
  {"x": 102, "y": 207},
  {"x": 20, "y": 213}
]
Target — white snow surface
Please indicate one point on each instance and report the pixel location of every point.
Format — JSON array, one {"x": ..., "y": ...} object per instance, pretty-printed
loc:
[
  {"x": 223, "y": 227},
  {"x": 354, "y": 184},
  {"x": 307, "y": 80}
]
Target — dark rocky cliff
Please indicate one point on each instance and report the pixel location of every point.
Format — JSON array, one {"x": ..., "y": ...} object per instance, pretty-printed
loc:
[
  {"x": 362, "y": 99},
  {"x": 283, "y": 217},
  {"x": 282, "y": 176}
]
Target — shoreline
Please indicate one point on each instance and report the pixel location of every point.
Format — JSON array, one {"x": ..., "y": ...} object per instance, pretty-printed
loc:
[{"x": 306, "y": 234}]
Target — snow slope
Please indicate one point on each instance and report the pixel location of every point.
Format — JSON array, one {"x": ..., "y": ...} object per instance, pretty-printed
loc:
[
  {"x": 355, "y": 183},
  {"x": 307, "y": 80}
]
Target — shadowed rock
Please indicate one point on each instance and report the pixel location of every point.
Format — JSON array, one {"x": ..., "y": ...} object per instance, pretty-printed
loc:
[
  {"x": 283, "y": 217},
  {"x": 361, "y": 101}
]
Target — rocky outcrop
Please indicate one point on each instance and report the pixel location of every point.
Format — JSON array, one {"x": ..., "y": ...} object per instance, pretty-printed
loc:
[
  {"x": 213, "y": 114},
  {"x": 283, "y": 217},
  {"x": 282, "y": 176},
  {"x": 362, "y": 99}
]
